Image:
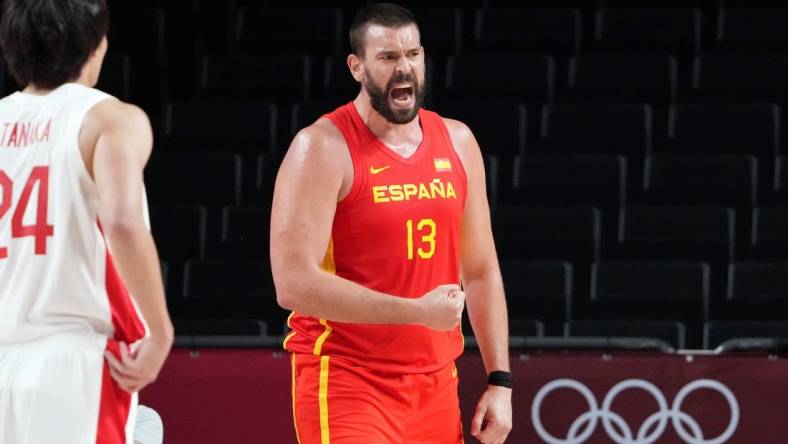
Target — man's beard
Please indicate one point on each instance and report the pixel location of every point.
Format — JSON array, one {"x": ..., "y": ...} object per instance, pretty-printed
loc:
[{"x": 379, "y": 98}]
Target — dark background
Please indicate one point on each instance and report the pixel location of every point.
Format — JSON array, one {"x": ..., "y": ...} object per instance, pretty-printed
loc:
[{"x": 634, "y": 151}]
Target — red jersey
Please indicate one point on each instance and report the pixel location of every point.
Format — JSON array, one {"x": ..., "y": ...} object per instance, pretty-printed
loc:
[{"x": 396, "y": 232}]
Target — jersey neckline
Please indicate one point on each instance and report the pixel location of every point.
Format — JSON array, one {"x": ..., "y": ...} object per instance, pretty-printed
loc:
[{"x": 417, "y": 155}]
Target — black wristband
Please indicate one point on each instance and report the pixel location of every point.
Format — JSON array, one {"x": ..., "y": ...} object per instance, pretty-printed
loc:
[{"x": 499, "y": 378}]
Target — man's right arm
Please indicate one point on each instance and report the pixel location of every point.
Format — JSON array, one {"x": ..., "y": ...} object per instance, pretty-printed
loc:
[
  {"x": 305, "y": 198},
  {"x": 116, "y": 142}
]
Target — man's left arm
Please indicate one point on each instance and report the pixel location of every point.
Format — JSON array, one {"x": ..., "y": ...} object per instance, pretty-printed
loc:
[{"x": 484, "y": 291}]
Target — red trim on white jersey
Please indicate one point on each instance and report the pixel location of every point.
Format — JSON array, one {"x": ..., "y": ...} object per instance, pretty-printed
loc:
[
  {"x": 127, "y": 322},
  {"x": 115, "y": 402},
  {"x": 115, "y": 407}
]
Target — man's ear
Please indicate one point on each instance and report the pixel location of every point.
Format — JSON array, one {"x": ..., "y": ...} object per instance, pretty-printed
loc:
[{"x": 356, "y": 67}]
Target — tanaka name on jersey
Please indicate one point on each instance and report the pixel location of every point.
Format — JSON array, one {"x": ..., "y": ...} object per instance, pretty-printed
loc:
[{"x": 23, "y": 134}]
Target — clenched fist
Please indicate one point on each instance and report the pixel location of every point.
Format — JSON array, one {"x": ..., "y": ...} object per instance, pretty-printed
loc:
[{"x": 441, "y": 308}]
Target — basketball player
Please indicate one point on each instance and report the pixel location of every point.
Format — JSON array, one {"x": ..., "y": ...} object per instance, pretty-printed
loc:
[
  {"x": 379, "y": 214},
  {"x": 74, "y": 244}
]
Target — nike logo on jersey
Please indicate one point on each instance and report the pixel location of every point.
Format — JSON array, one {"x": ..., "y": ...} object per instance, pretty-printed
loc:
[{"x": 373, "y": 170}]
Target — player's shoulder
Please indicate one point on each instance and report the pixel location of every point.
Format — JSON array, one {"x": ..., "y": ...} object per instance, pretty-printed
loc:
[
  {"x": 114, "y": 113},
  {"x": 320, "y": 132},
  {"x": 462, "y": 138},
  {"x": 457, "y": 129},
  {"x": 322, "y": 139}
]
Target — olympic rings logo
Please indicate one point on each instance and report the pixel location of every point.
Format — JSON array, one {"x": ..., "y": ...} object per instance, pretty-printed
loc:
[{"x": 618, "y": 429}]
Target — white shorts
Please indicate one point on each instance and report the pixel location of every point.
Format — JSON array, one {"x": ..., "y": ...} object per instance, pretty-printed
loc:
[{"x": 58, "y": 390}]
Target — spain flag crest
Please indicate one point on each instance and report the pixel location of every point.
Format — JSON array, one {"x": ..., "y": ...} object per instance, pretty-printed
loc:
[{"x": 442, "y": 164}]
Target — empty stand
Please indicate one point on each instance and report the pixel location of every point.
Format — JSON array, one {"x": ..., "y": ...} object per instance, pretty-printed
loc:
[
  {"x": 492, "y": 172},
  {"x": 180, "y": 231},
  {"x": 649, "y": 79},
  {"x": 147, "y": 50},
  {"x": 115, "y": 77},
  {"x": 598, "y": 180},
  {"x": 624, "y": 129},
  {"x": 752, "y": 30},
  {"x": 307, "y": 113},
  {"x": 674, "y": 333},
  {"x": 687, "y": 179},
  {"x": 758, "y": 290},
  {"x": 208, "y": 179},
  {"x": 543, "y": 30},
  {"x": 649, "y": 290},
  {"x": 649, "y": 31},
  {"x": 780, "y": 189},
  {"x": 740, "y": 77},
  {"x": 314, "y": 30},
  {"x": 231, "y": 289},
  {"x": 677, "y": 233},
  {"x": 245, "y": 232},
  {"x": 538, "y": 290},
  {"x": 717, "y": 332},
  {"x": 499, "y": 128},
  {"x": 611, "y": 130},
  {"x": 769, "y": 238},
  {"x": 526, "y": 327},
  {"x": 724, "y": 129},
  {"x": 443, "y": 35},
  {"x": 285, "y": 78},
  {"x": 337, "y": 82},
  {"x": 221, "y": 126},
  {"x": 563, "y": 233},
  {"x": 517, "y": 78},
  {"x": 220, "y": 327}
]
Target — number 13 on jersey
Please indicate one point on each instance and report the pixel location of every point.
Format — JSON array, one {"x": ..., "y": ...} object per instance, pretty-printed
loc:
[{"x": 427, "y": 229}]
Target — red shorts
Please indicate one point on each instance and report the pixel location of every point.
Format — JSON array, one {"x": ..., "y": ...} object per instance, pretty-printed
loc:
[{"x": 337, "y": 402}]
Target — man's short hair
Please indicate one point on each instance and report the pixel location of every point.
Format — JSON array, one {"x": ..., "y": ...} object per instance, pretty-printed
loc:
[
  {"x": 47, "y": 42},
  {"x": 383, "y": 14}
]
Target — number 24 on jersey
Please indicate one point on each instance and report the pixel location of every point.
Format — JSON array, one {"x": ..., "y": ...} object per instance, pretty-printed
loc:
[{"x": 40, "y": 230}]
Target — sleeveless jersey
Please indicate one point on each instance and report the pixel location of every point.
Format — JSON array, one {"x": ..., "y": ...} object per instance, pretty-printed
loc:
[
  {"x": 396, "y": 232},
  {"x": 56, "y": 271}
]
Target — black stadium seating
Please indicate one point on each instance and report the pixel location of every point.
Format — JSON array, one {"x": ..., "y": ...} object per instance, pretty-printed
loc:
[
  {"x": 598, "y": 180},
  {"x": 649, "y": 31},
  {"x": 558, "y": 233},
  {"x": 769, "y": 238},
  {"x": 542, "y": 30},
  {"x": 649, "y": 290},
  {"x": 674, "y": 333},
  {"x": 245, "y": 76},
  {"x": 540, "y": 289},
  {"x": 677, "y": 233},
  {"x": 636, "y": 166},
  {"x": 523, "y": 78},
  {"x": 291, "y": 30},
  {"x": 212, "y": 126},
  {"x": 752, "y": 29},
  {"x": 717, "y": 332},
  {"x": 607, "y": 128},
  {"x": 740, "y": 78},
  {"x": 624, "y": 78}
]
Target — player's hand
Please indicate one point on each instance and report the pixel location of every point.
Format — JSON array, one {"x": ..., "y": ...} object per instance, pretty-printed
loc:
[
  {"x": 441, "y": 308},
  {"x": 492, "y": 421},
  {"x": 139, "y": 368}
]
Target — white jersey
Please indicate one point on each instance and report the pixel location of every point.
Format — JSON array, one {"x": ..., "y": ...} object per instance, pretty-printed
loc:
[{"x": 56, "y": 273}]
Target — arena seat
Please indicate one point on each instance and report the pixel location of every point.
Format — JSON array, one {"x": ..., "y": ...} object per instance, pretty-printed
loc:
[{"x": 674, "y": 333}]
